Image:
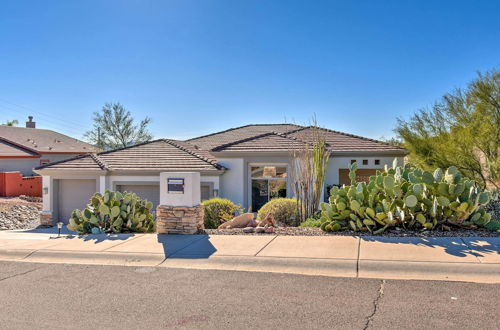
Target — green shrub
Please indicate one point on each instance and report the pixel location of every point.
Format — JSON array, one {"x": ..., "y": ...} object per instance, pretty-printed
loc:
[
  {"x": 284, "y": 211},
  {"x": 407, "y": 197},
  {"x": 311, "y": 222},
  {"x": 218, "y": 211},
  {"x": 114, "y": 212}
]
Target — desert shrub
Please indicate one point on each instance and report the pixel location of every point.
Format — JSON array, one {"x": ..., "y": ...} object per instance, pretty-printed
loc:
[
  {"x": 493, "y": 207},
  {"x": 218, "y": 211},
  {"x": 407, "y": 197},
  {"x": 314, "y": 221},
  {"x": 284, "y": 211},
  {"x": 114, "y": 212},
  {"x": 311, "y": 222}
]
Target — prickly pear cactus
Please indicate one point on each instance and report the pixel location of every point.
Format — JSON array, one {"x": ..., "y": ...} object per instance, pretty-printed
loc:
[
  {"x": 114, "y": 212},
  {"x": 406, "y": 197}
]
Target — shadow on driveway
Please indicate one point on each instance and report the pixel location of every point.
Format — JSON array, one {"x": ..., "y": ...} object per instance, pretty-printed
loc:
[{"x": 186, "y": 246}]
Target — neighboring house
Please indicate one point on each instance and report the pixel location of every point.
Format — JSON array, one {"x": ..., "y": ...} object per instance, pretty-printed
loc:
[
  {"x": 248, "y": 165},
  {"x": 24, "y": 148}
]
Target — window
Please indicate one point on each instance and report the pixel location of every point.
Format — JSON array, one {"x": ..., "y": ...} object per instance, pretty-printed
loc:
[
  {"x": 353, "y": 161},
  {"x": 44, "y": 162},
  {"x": 377, "y": 161},
  {"x": 268, "y": 182},
  {"x": 365, "y": 161}
]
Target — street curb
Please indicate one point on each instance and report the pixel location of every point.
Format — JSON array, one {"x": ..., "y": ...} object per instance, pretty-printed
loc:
[
  {"x": 436, "y": 271},
  {"x": 302, "y": 266},
  {"x": 90, "y": 258},
  {"x": 382, "y": 269}
]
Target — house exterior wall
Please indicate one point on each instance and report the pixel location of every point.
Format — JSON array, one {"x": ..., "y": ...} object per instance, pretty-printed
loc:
[
  {"x": 232, "y": 182},
  {"x": 26, "y": 165},
  {"x": 336, "y": 163},
  {"x": 235, "y": 184},
  {"x": 23, "y": 165}
]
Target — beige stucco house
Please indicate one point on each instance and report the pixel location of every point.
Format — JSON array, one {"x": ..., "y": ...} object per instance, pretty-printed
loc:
[{"x": 248, "y": 165}]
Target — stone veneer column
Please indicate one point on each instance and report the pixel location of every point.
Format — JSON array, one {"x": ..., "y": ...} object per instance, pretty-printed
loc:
[
  {"x": 179, "y": 219},
  {"x": 46, "y": 218}
]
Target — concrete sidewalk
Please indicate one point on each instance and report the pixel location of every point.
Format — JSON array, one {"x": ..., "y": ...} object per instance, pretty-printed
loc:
[{"x": 452, "y": 259}]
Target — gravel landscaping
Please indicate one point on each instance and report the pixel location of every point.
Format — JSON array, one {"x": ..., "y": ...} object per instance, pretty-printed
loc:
[
  {"x": 17, "y": 213},
  {"x": 297, "y": 231}
]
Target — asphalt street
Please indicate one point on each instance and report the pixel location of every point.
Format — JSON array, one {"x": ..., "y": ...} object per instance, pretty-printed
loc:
[{"x": 58, "y": 296}]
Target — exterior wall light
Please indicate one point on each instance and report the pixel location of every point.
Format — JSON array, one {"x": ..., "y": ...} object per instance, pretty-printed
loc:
[{"x": 45, "y": 190}]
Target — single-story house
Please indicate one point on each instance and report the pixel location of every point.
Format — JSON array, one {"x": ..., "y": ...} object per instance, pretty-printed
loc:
[
  {"x": 248, "y": 165},
  {"x": 23, "y": 148}
]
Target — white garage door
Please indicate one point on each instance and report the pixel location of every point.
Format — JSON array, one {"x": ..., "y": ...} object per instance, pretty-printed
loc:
[
  {"x": 73, "y": 194},
  {"x": 149, "y": 192}
]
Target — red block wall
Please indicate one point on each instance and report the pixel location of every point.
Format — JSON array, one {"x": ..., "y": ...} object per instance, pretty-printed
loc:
[{"x": 14, "y": 184}]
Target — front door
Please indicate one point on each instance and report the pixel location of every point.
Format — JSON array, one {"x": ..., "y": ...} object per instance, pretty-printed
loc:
[{"x": 268, "y": 182}]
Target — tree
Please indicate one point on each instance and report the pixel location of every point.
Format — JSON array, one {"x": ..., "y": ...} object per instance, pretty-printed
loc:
[
  {"x": 115, "y": 128},
  {"x": 462, "y": 129},
  {"x": 14, "y": 122}
]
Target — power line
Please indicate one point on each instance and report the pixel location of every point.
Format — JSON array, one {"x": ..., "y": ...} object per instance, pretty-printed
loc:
[
  {"x": 37, "y": 112},
  {"x": 15, "y": 113}
]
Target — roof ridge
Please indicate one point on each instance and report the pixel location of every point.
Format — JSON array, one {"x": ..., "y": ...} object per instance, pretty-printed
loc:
[
  {"x": 20, "y": 146},
  {"x": 102, "y": 164},
  {"x": 205, "y": 159},
  {"x": 258, "y": 136},
  {"x": 225, "y": 145},
  {"x": 234, "y": 128},
  {"x": 356, "y": 136},
  {"x": 128, "y": 147},
  {"x": 293, "y": 137}
]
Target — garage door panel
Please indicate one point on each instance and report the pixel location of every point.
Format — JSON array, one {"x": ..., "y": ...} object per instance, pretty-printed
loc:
[
  {"x": 73, "y": 194},
  {"x": 149, "y": 192}
]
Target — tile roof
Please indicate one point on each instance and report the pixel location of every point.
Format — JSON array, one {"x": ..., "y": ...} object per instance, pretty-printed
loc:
[
  {"x": 211, "y": 141},
  {"x": 158, "y": 155},
  {"x": 271, "y": 137},
  {"x": 344, "y": 142},
  {"x": 277, "y": 142},
  {"x": 44, "y": 140}
]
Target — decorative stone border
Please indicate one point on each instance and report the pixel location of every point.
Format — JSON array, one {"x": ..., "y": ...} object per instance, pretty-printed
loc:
[{"x": 179, "y": 219}]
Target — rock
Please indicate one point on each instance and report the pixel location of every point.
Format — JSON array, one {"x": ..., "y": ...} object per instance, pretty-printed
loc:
[
  {"x": 260, "y": 229},
  {"x": 270, "y": 230},
  {"x": 248, "y": 230}
]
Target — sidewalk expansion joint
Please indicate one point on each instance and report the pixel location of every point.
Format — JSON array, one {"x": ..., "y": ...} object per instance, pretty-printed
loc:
[
  {"x": 357, "y": 259},
  {"x": 265, "y": 246},
  {"x": 380, "y": 294}
]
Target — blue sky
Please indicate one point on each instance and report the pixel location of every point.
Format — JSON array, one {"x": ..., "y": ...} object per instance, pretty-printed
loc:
[{"x": 196, "y": 67}]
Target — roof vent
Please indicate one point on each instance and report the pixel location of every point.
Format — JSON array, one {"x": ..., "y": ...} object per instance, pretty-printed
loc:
[{"x": 30, "y": 123}]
